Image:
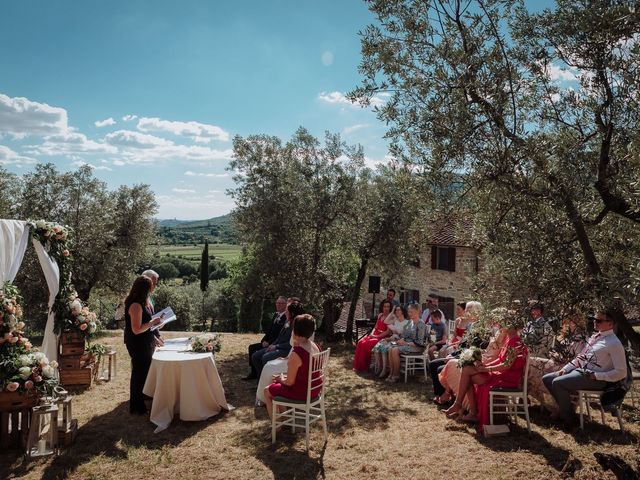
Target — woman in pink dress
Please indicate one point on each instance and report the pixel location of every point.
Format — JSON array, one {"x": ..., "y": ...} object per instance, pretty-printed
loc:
[
  {"x": 475, "y": 381},
  {"x": 293, "y": 384},
  {"x": 362, "y": 358}
]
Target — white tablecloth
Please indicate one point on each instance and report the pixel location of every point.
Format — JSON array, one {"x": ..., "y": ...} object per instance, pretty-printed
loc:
[{"x": 183, "y": 382}]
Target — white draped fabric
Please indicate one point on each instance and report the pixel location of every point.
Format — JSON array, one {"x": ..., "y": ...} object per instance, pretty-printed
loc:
[
  {"x": 14, "y": 236},
  {"x": 52, "y": 275}
]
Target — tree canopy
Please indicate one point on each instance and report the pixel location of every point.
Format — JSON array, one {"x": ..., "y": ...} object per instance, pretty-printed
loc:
[{"x": 529, "y": 122}]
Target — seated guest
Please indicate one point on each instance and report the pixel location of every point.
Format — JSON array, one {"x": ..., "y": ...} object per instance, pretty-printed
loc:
[
  {"x": 568, "y": 345},
  {"x": 279, "y": 365},
  {"x": 602, "y": 360},
  {"x": 538, "y": 334},
  {"x": 448, "y": 375},
  {"x": 432, "y": 306},
  {"x": 293, "y": 384},
  {"x": 440, "y": 328},
  {"x": 413, "y": 339},
  {"x": 277, "y": 321},
  {"x": 461, "y": 323},
  {"x": 381, "y": 348},
  {"x": 477, "y": 380},
  {"x": 391, "y": 296},
  {"x": 282, "y": 344},
  {"x": 362, "y": 357}
]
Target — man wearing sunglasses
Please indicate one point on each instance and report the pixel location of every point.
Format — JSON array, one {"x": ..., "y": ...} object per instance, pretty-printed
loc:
[{"x": 602, "y": 360}]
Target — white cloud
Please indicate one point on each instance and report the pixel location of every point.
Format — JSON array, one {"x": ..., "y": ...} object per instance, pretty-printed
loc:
[
  {"x": 183, "y": 190},
  {"x": 21, "y": 117},
  {"x": 9, "y": 157},
  {"x": 81, "y": 163},
  {"x": 327, "y": 58},
  {"x": 339, "y": 98},
  {"x": 130, "y": 138},
  {"x": 128, "y": 118},
  {"x": 105, "y": 123},
  {"x": 118, "y": 163},
  {"x": 199, "y": 132},
  {"x": 189, "y": 173},
  {"x": 354, "y": 128},
  {"x": 189, "y": 206},
  {"x": 557, "y": 73},
  {"x": 68, "y": 144}
]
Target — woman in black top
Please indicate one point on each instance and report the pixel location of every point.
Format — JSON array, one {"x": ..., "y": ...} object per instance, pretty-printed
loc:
[{"x": 139, "y": 340}]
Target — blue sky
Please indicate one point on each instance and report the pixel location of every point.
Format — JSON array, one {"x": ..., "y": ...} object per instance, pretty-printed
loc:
[
  {"x": 170, "y": 83},
  {"x": 153, "y": 91}
]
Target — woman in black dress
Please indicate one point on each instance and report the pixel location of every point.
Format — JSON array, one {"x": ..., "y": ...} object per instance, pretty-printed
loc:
[{"x": 139, "y": 340}]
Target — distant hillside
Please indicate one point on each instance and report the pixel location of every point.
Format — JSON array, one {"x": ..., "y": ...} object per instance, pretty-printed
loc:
[{"x": 183, "y": 232}]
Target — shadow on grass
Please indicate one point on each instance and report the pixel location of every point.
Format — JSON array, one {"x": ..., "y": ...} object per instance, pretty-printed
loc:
[
  {"x": 288, "y": 458},
  {"x": 536, "y": 445},
  {"x": 110, "y": 435}
]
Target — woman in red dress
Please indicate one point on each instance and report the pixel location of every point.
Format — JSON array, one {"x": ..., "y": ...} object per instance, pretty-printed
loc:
[
  {"x": 293, "y": 384},
  {"x": 362, "y": 358},
  {"x": 505, "y": 372}
]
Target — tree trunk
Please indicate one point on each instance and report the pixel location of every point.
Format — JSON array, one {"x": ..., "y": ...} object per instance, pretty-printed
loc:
[
  {"x": 355, "y": 295},
  {"x": 330, "y": 312},
  {"x": 596, "y": 272}
]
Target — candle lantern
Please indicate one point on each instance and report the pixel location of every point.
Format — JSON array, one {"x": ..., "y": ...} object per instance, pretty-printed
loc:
[{"x": 43, "y": 432}]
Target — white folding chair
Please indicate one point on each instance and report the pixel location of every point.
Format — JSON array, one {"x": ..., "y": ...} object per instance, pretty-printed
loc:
[
  {"x": 587, "y": 396},
  {"x": 508, "y": 400},
  {"x": 310, "y": 410},
  {"x": 451, "y": 328},
  {"x": 410, "y": 363},
  {"x": 635, "y": 377}
]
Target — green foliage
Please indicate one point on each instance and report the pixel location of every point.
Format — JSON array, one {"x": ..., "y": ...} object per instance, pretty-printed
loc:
[
  {"x": 166, "y": 270},
  {"x": 182, "y": 303},
  {"x": 548, "y": 173},
  {"x": 111, "y": 229},
  {"x": 204, "y": 268},
  {"x": 214, "y": 230},
  {"x": 185, "y": 267}
]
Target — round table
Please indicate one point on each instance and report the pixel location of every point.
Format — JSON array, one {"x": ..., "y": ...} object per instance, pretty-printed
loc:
[{"x": 184, "y": 382}]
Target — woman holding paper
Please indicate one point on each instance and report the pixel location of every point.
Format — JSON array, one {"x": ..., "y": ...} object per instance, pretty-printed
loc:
[{"x": 139, "y": 340}]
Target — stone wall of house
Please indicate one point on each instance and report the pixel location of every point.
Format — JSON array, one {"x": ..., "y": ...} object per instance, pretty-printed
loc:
[{"x": 456, "y": 285}]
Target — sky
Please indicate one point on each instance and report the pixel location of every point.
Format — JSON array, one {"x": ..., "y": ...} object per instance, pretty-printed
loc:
[{"x": 153, "y": 91}]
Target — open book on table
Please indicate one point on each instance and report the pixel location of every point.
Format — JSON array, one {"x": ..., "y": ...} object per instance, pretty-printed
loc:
[{"x": 166, "y": 315}]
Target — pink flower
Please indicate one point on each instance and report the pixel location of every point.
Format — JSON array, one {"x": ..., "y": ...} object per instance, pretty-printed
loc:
[
  {"x": 37, "y": 379},
  {"x": 28, "y": 345},
  {"x": 56, "y": 229},
  {"x": 83, "y": 326},
  {"x": 13, "y": 386},
  {"x": 28, "y": 384},
  {"x": 209, "y": 347},
  {"x": 14, "y": 339},
  {"x": 65, "y": 253}
]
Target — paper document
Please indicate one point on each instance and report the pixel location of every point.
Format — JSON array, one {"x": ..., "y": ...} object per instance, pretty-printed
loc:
[{"x": 166, "y": 315}]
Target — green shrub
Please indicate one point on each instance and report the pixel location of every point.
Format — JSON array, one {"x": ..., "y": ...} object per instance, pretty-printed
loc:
[{"x": 166, "y": 270}]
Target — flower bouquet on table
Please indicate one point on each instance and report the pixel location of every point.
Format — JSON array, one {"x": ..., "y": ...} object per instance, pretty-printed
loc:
[
  {"x": 469, "y": 357},
  {"x": 206, "y": 343}
]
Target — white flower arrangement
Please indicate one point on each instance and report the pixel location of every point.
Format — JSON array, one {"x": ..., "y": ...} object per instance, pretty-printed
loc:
[
  {"x": 206, "y": 343},
  {"x": 469, "y": 357}
]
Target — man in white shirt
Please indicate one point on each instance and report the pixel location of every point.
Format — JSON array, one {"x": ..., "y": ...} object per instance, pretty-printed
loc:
[{"x": 602, "y": 360}]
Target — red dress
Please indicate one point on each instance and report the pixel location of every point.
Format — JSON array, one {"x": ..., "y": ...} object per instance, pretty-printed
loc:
[
  {"x": 297, "y": 391},
  {"x": 510, "y": 378},
  {"x": 362, "y": 358}
]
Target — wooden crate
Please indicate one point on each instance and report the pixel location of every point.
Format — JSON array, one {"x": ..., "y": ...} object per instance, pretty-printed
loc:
[
  {"x": 76, "y": 348},
  {"x": 67, "y": 362},
  {"x": 77, "y": 377},
  {"x": 71, "y": 337},
  {"x": 14, "y": 428},
  {"x": 67, "y": 436},
  {"x": 10, "y": 401}
]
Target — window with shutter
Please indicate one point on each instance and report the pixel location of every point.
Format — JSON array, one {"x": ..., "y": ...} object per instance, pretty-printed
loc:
[{"x": 443, "y": 258}]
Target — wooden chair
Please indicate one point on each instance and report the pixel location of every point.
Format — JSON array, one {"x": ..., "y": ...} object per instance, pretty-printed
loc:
[
  {"x": 308, "y": 411},
  {"x": 508, "y": 399}
]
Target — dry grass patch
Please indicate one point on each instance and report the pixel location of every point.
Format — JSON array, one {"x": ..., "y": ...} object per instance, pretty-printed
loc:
[{"x": 375, "y": 431}]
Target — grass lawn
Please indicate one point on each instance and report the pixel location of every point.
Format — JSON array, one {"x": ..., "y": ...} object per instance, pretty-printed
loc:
[
  {"x": 190, "y": 252},
  {"x": 376, "y": 430}
]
